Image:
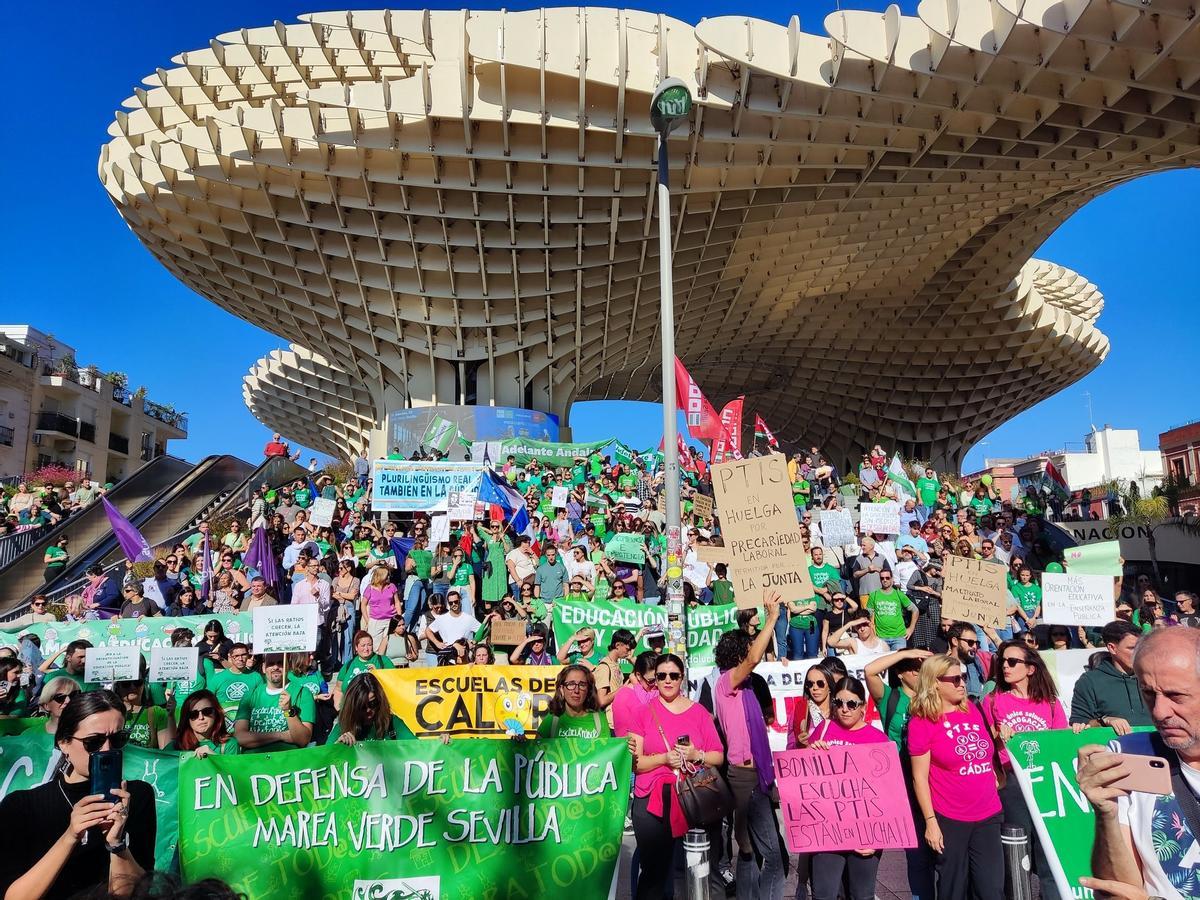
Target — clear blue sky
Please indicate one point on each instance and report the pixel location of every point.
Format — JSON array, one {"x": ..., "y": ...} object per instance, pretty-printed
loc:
[{"x": 71, "y": 267}]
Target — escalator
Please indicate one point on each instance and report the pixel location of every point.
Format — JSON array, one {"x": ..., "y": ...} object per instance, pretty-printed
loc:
[
  {"x": 23, "y": 574},
  {"x": 274, "y": 472}
]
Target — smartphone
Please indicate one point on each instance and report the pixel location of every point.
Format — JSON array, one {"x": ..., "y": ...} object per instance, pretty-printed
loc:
[
  {"x": 1148, "y": 774},
  {"x": 105, "y": 767},
  {"x": 683, "y": 741}
]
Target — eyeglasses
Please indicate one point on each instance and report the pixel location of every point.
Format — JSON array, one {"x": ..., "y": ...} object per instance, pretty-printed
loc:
[
  {"x": 94, "y": 743},
  {"x": 816, "y": 682},
  {"x": 1012, "y": 661},
  {"x": 668, "y": 676},
  {"x": 846, "y": 704},
  {"x": 575, "y": 685},
  {"x": 206, "y": 711},
  {"x": 955, "y": 680}
]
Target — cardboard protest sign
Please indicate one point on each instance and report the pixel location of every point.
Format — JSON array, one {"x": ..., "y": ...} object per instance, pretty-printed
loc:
[
  {"x": 104, "y": 664},
  {"x": 469, "y": 701},
  {"x": 507, "y": 632},
  {"x": 174, "y": 663},
  {"x": 761, "y": 533},
  {"x": 702, "y": 505},
  {"x": 1069, "y": 599},
  {"x": 409, "y": 820},
  {"x": 1102, "y": 558},
  {"x": 879, "y": 518},
  {"x": 975, "y": 592},
  {"x": 285, "y": 629},
  {"x": 844, "y": 798},
  {"x": 626, "y": 547},
  {"x": 321, "y": 513},
  {"x": 837, "y": 528},
  {"x": 558, "y": 497},
  {"x": 713, "y": 554}
]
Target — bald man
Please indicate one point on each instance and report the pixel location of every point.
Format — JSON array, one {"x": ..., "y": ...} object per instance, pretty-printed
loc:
[{"x": 1130, "y": 825}]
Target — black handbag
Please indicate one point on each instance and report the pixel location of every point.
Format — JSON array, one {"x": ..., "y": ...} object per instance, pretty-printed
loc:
[{"x": 703, "y": 793}]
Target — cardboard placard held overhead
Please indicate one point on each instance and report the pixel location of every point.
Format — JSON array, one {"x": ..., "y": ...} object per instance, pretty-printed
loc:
[
  {"x": 1069, "y": 599},
  {"x": 285, "y": 629},
  {"x": 119, "y": 663},
  {"x": 762, "y": 536},
  {"x": 708, "y": 553},
  {"x": 879, "y": 518},
  {"x": 702, "y": 505},
  {"x": 322, "y": 512},
  {"x": 837, "y": 528},
  {"x": 507, "y": 632},
  {"x": 975, "y": 591},
  {"x": 173, "y": 663}
]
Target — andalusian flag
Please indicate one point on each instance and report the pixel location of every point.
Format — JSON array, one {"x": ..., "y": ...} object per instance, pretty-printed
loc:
[
  {"x": 899, "y": 477},
  {"x": 763, "y": 433},
  {"x": 439, "y": 435}
]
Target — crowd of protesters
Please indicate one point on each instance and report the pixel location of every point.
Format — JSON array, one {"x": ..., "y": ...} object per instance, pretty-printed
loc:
[{"x": 388, "y": 596}]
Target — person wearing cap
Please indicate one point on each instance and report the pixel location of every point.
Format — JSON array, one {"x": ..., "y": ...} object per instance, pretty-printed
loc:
[
  {"x": 905, "y": 568},
  {"x": 581, "y": 648}
]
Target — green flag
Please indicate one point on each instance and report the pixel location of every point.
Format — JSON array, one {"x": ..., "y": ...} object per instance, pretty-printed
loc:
[
  {"x": 549, "y": 453},
  {"x": 439, "y": 434},
  {"x": 625, "y": 455},
  {"x": 1103, "y": 558},
  {"x": 412, "y": 819}
]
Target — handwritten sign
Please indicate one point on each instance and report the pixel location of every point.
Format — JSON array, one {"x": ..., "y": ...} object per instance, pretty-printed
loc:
[
  {"x": 322, "y": 512},
  {"x": 507, "y": 632},
  {"x": 104, "y": 664},
  {"x": 844, "y": 798},
  {"x": 1101, "y": 558},
  {"x": 1077, "y": 599},
  {"x": 879, "y": 518},
  {"x": 702, "y": 505},
  {"x": 439, "y": 529},
  {"x": 837, "y": 528},
  {"x": 630, "y": 548},
  {"x": 460, "y": 505},
  {"x": 761, "y": 533},
  {"x": 558, "y": 497},
  {"x": 173, "y": 663},
  {"x": 285, "y": 629},
  {"x": 975, "y": 592}
]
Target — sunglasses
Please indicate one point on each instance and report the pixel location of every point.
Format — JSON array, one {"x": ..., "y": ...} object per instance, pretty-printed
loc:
[
  {"x": 969, "y": 642},
  {"x": 1013, "y": 661},
  {"x": 94, "y": 743},
  {"x": 955, "y": 680},
  {"x": 816, "y": 682},
  {"x": 846, "y": 704},
  {"x": 668, "y": 676},
  {"x": 62, "y": 698},
  {"x": 207, "y": 711}
]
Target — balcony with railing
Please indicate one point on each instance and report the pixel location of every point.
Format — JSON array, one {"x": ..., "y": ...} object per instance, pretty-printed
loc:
[
  {"x": 118, "y": 444},
  {"x": 55, "y": 421},
  {"x": 168, "y": 415},
  {"x": 7, "y": 435},
  {"x": 87, "y": 432}
]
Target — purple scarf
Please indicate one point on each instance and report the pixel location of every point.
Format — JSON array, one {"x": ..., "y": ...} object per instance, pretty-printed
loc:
[{"x": 760, "y": 745}]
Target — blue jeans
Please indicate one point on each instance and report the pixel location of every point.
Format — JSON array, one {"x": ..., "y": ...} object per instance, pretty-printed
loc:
[
  {"x": 348, "y": 634},
  {"x": 781, "y": 636},
  {"x": 414, "y": 600},
  {"x": 803, "y": 643},
  {"x": 896, "y": 643}
]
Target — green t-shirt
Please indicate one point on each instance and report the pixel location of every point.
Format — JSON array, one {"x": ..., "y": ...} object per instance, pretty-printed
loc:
[
  {"x": 398, "y": 732},
  {"x": 927, "y": 490},
  {"x": 78, "y": 679},
  {"x": 144, "y": 725},
  {"x": 310, "y": 683},
  {"x": 462, "y": 575},
  {"x": 303, "y": 498},
  {"x": 588, "y": 725},
  {"x": 260, "y": 709},
  {"x": 229, "y": 748},
  {"x": 422, "y": 562},
  {"x": 232, "y": 688},
  {"x": 722, "y": 590},
  {"x": 820, "y": 576},
  {"x": 895, "y": 727},
  {"x": 981, "y": 505},
  {"x": 596, "y": 464},
  {"x": 357, "y": 664},
  {"x": 625, "y": 481},
  {"x": 578, "y": 475},
  {"x": 889, "y": 607},
  {"x": 576, "y": 656},
  {"x": 1028, "y": 596},
  {"x": 58, "y": 557},
  {"x": 801, "y": 490}
]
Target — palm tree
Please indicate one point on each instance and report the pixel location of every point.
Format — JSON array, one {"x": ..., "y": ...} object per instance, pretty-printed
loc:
[{"x": 1144, "y": 513}]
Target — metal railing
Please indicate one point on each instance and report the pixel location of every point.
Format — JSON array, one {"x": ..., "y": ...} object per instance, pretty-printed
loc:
[
  {"x": 165, "y": 415},
  {"x": 87, "y": 432},
  {"x": 55, "y": 421},
  {"x": 13, "y": 545},
  {"x": 118, "y": 443}
]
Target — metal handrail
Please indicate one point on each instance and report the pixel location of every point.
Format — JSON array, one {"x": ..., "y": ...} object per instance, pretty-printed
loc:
[{"x": 13, "y": 545}]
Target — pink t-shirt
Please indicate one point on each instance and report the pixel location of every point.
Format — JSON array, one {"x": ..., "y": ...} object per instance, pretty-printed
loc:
[
  {"x": 628, "y": 704},
  {"x": 1021, "y": 714},
  {"x": 728, "y": 702},
  {"x": 834, "y": 734},
  {"x": 962, "y": 780},
  {"x": 697, "y": 724},
  {"x": 380, "y": 601}
]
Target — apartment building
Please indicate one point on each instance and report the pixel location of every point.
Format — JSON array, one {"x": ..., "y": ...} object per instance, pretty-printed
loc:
[{"x": 54, "y": 410}]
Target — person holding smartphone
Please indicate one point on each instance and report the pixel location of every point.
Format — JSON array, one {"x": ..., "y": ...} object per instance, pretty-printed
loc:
[{"x": 72, "y": 834}]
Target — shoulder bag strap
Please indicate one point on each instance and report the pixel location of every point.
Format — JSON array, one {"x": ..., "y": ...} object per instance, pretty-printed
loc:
[{"x": 662, "y": 734}]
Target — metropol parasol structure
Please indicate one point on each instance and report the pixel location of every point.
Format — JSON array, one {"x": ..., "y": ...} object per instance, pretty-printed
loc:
[{"x": 458, "y": 207}]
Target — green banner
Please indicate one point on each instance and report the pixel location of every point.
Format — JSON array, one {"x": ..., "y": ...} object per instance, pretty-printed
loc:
[
  {"x": 548, "y": 453},
  {"x": 28, "y": 759},
  {"x": 627, "y": 547},
  {"x": 705, "y": 625},
  {"x": 439, "y": 435},
  {"x": 147, "y": 633},
  {"x": 605, "y": 618},
  {"x": 412, "y": 819},
  {"x": 1044, "y": 763}
]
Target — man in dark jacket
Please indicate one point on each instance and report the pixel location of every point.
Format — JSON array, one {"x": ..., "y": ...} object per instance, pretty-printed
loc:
[{"x": 1108, "y": 695}]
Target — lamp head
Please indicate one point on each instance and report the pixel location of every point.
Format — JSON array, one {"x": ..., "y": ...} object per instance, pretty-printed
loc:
[{"x": 671, "y": 105}]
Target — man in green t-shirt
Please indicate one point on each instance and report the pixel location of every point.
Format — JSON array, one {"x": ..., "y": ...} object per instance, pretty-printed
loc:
[
  {"x": 927, "y": 489},
  {"x": 74, "y": 657},
  {"x": 887, "y": 606},
  {"x": 233, "y": 683},
  {"x": 721, "y": 587},
  {"x": 801, "y": 494},
  {"x": 269, "y": 718}
]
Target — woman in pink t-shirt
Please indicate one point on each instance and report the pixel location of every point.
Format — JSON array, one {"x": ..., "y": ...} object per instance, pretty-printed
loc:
[
  {"x": 848, "y": 726},
  {"x": 380, "y": 603},
  {"x": 954, "y": 778},
  {"x": 660, "y": 752},
  {"x": 1025, "y": 699}
]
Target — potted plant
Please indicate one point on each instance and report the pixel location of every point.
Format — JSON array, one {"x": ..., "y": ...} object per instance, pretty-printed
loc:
[{"x": 117, "y": 379}]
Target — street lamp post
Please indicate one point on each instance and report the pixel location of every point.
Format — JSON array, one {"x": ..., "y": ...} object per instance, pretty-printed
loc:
[{"x": 671, "y": 105}]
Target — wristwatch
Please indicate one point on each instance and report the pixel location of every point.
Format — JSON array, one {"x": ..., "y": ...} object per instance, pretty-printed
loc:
[
  {"x": 119, "y": 846},
  {"x": 292, "y": 712}
]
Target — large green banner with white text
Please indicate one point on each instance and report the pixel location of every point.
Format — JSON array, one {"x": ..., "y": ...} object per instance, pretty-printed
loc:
[
  {"x": 146, "y": 633},
  {"x": 705, "y": 625},
  {"x": 414, "y": 819},
  {"x": 548, "y": 453},
  {"x": 28, "y": 759}
]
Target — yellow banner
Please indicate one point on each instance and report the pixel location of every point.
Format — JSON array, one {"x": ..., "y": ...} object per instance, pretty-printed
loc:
[{"x": 470, "y": 701}]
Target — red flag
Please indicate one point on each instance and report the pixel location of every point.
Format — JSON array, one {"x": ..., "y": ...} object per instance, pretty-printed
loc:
[
  {"x": 729, "y": 444},
  {"x": 703, "y": 423},
  {"x": 685, "y": 455},
  {"x": 761, "y": 430}
]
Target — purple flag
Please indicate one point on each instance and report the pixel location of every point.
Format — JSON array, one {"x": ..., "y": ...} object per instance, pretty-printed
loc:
[
  {"x": 135, "y": 547},
  {"x": 259, "y": 556}
]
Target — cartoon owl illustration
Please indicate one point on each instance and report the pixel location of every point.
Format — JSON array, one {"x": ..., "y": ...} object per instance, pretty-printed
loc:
[{"x": 514, "y": 711}]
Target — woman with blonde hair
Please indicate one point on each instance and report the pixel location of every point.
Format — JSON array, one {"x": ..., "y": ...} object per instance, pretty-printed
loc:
[
  {"x": 954, "y": 779},
  {"x": 380, "y": 602}
]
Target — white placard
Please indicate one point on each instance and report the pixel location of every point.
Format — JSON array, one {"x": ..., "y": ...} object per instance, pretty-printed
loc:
[
  {"x": 439, "y": 530},
  {"x": 461, "y": 505},
  {"x": 285, "y": 629},
  {"x": 321, "y": 513},
  {"x": 105, "y": 664},
  {"x": 879, "y": 518},
  {"x": 558, "y": 497},
  {"x": 837, "y": 528},
  {"x": 173, "y": 663},
  {"x": 1077, "y": 599},
  {"x": 151, "y": 591}
]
